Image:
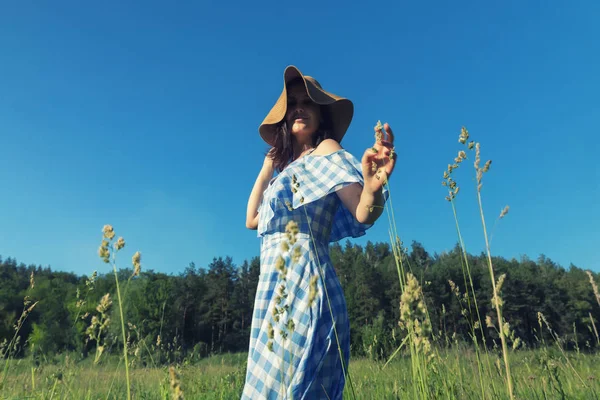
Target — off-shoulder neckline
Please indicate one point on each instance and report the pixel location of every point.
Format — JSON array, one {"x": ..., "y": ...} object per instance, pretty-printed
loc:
[{"x": 309, "y": 154}]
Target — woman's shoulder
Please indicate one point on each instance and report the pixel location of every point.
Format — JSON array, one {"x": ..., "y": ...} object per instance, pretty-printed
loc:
[{"x": 327, "y": 147}]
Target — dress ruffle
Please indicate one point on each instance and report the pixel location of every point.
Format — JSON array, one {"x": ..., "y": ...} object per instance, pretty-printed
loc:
[{"x": 311, "y": 178}]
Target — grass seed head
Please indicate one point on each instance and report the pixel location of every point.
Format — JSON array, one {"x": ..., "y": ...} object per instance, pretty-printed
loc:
[
  {"x": 108, "y": 232},
  {"x": 312, "y": 290},
  {"x": 378, "y": 132},
  {"x": 464, "y": 135},
  {"x": 176, "y": 390},
  {"x": 105, "y": 303},
  {"x": 486, "y": 166},
  {"x": 296, "y": 255},
  {"x": 136, "y": 261},
  {"x": 477, "y": 156},
  {"x": 103, "y": 252},
  {"x": 594, "y": 286}
]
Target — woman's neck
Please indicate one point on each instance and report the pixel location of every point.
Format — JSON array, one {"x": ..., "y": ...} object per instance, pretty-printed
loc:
[{"x": 300, "y": 149}]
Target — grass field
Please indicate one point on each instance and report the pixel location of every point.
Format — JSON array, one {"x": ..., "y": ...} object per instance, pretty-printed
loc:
[{"x": 540, "y": 374}]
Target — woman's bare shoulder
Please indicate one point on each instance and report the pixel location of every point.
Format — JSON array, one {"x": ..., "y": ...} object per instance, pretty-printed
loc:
[{"x": 327, "y": 147}]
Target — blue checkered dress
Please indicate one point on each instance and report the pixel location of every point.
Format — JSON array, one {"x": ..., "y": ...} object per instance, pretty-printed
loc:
[{"x": 301, "y": 359}]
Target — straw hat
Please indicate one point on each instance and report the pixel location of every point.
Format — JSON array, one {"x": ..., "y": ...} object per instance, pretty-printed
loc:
[{"x": 341, "y": 110}]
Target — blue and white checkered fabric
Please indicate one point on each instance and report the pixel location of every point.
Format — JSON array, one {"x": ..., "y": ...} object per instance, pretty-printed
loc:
[{"x": 306, "y": 364}]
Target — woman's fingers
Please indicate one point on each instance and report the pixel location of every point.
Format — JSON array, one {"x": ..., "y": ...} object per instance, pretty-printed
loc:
[
  {"x": 380, "y": 160},
  {"x": 389, "y": 132}
]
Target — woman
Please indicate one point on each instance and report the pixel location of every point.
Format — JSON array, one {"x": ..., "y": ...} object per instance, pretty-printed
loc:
[{"x": 321, "y": 195}]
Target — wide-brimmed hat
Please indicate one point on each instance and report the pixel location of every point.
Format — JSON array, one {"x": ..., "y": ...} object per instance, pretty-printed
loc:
[{"x": 340, "y": 109}]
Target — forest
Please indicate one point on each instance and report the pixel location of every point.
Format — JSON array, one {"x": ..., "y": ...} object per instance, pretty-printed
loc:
[{"x": 207, "y": 310}]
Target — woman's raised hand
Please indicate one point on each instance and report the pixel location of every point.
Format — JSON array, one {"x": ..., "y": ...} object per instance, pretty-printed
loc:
[{"x": 378, "y": 162}]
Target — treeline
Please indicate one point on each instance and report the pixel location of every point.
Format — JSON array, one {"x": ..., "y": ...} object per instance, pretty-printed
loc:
[{"x": 203, "y": 311}]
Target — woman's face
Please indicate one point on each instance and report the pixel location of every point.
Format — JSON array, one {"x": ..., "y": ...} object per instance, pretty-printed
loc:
[{"x": 302, "y": 115}]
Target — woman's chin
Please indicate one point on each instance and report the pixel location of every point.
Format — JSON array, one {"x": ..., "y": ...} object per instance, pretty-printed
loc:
[{"x": 302, "y": 131}]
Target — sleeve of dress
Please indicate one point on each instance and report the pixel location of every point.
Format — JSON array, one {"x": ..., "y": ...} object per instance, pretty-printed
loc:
[{"x": 323, "y": 175}]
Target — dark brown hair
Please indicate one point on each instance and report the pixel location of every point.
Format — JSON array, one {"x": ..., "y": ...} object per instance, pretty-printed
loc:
[{"x": 282, "y": 151}]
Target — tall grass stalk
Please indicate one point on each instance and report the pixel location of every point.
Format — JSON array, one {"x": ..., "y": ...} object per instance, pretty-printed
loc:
[
  {"x": 465, "y": 265},
  {"x": 107, "y": 249},
  {"x": 495, "y": 299},
  {"x": 27, "y": 308},
  {"x": 123, "y": 331},
  {"x": 497, "y": 302},
  {"x": 418, "y": 357},
  {"x": 595, "y": 330}
]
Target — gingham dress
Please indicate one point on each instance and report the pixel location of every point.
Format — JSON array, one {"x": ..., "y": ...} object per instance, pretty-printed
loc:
[{"x": 306, "y": 363}]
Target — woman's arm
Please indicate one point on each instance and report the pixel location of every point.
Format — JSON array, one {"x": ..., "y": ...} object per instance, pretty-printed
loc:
[
  {"x": 366, "y": 203},
  {"x": 261, "y": 183}
]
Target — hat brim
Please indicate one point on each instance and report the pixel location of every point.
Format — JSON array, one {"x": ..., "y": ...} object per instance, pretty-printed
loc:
[{"x": 340, "y": 109}]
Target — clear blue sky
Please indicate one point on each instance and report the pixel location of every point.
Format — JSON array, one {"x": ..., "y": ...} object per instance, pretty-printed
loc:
[{"x": 145, "y": 115}]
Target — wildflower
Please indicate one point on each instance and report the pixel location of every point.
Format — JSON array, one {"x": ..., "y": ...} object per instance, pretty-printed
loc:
[
  {"x": 488, "y": 321},
  {"x": 120, "y": 243},
  {"x": 471, "y": 145},
  {"x": 504, "y": 212},
  {"x": 31, "y": 280}
]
